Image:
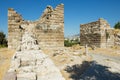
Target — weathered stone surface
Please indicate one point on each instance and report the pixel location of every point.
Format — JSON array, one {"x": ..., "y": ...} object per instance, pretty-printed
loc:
[
  {"x": 48, "y": 30},
  {"x": 97, "y": 34},
  {"x": 29, "y": 43},
  {"x": 117, "y": 37},
  {"x": 50, "y": 76},
  {"x": 26, "y": 76},
  {"x": 10, "y": 76},
  {"x": 15, "y": 63},
  {"x": 36, "y": 62},
  {"x": 32, "y": 64}
]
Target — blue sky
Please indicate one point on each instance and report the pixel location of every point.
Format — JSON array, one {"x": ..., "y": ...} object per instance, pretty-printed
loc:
[{"x": 76, "y": 12}]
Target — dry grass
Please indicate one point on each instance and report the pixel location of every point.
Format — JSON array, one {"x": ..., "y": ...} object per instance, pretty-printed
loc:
[
  {"x": 106, "y": 51},
  {"x": 116, "y": 31},
  {"x": 5, "y": 58},
  {"x": 76, "y": 47}
]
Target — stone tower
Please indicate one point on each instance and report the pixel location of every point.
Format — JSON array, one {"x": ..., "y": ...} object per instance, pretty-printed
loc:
[
  {"x": 97, "y": 34},
  {"x": 48, "y": 30}
]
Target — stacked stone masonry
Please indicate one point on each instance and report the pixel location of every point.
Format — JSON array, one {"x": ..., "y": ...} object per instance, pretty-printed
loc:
[
  {"x": 30, "y": 63},
  {"x": 48, "y": 30},
  {"x": 98, "y": 34}
]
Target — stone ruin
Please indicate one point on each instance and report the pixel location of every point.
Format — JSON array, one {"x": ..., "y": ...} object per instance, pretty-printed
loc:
[
  {"x": 98, "y": 34},
  {"x": 26, "y": 37},
  {"x": 48, "y": 30},
  {"x": 30, "y": 63}
]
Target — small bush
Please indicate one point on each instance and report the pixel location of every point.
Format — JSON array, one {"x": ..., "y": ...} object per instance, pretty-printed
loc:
[
  {"x": 67, "y": 43},
  {"x": 3, "y": 40},
  {"x": 117, "y": 25},
  {"x": 70, "y": 43}
]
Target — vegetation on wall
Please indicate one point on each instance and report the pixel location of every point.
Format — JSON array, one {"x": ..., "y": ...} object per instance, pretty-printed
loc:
[{"x": 3, "y": 40}]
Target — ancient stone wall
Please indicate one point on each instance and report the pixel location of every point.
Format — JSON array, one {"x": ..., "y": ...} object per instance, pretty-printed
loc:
[
  {"x": 117, "y": 37},
  {"x": 48, "y": 30},
  {"x": 14, "y": 31},
  {"x": 30, "y": 63},
  {"x": 89, "y": 34},
  {"x": 110, "y": 37},
  {"x": 98, "y": 34}
]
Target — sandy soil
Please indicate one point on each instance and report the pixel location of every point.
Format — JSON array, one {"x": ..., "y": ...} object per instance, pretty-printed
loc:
[
  {"x": 5, "y": 58},
  {"x": 114, "y": 51},
  {"x": 63, "y": 57},
  {"x": 67, "y": 56}
]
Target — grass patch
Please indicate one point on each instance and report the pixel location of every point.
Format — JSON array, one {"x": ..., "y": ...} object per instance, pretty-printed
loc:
[{"x": 3, "y": 46}]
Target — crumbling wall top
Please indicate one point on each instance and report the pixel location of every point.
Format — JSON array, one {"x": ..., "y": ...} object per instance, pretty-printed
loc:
[{"x": 50, "y": 23}]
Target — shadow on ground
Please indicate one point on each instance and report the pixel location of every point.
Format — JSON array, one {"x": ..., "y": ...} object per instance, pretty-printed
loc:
[{"x": 91, "y": 71}]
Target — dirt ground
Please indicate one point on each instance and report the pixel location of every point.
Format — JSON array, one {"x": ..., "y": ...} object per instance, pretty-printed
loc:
[
  {"x": 113, "y": 51},
  {"x": 67, "y": 56},
  {"x": 5, "y": 58},
  {"x": 63, "y": 57},
  {"x": 75, "y": 55}
]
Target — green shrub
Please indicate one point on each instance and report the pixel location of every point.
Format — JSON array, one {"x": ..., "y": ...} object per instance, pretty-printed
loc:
[
  {"x": 3, "y": 41},
  {"x": 67, "y": 43},
  {"x": 117, "y": 25},
  {"x": 70, "y": 43}
]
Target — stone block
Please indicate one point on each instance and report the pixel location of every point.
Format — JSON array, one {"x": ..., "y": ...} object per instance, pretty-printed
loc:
[
  {"x": 10, "y": 76},
  {"x": 26, "y": 76},
  {"x": 15, "y": 63},
  {"x": 50, "y": 76},
  {"x": 27, "y": 62},
  {"x": 25, "y": 69}
]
